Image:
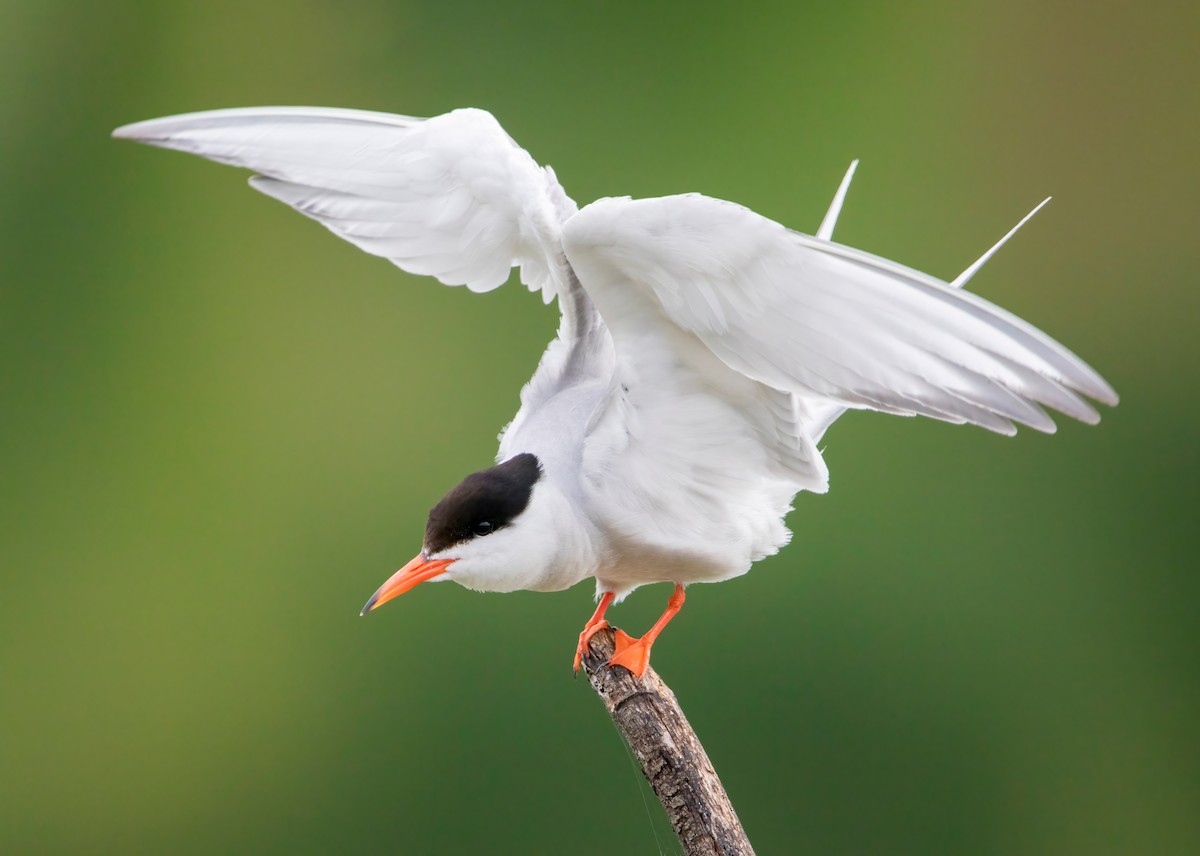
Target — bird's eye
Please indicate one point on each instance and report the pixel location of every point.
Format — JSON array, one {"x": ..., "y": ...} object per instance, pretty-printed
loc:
[{"x": 483, "y": 527}]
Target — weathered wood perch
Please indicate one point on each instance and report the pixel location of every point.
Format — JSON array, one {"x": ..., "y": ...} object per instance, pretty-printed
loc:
[{"x": 648, "y": 715}]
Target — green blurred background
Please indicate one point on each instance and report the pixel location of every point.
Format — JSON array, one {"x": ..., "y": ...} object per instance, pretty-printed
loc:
[{"x": 221, "y": 429}]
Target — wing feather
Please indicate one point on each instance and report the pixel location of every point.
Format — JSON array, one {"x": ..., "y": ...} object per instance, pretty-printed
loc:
[
  {"x": 451, "y": 197},
  {"x": 825, "y": 321}
]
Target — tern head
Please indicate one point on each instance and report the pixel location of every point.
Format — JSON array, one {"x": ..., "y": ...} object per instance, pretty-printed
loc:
[{"x": 480, "y": 534}]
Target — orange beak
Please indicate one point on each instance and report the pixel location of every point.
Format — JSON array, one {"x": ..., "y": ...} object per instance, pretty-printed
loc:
[{"x": 414, "y": 573}]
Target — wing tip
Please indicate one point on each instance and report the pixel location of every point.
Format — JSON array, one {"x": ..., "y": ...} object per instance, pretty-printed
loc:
[
  {"x": 136, "y": 131},
  {"x": 1047, "y": 427},
  {"x": 265, "y": 184},
  {"x": 1105, "y": 394},
  {"x": 1090, "y": 383},
  {"x": 166, "y": 127}
]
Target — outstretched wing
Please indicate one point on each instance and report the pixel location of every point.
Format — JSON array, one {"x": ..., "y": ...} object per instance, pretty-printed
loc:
[
  {"x": 819, "y": 319},
  {"x": 451, "y": 197}
]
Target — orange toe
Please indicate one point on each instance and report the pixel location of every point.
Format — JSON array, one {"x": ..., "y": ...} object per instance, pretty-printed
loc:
[
  {"x": 633, "y": 654},
  {"x": 585, "y": 637}
]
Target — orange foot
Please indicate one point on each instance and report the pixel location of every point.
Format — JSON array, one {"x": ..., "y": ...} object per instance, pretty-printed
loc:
[
  {"x": 633, "y": 654},
  {"x": 595, "y": 624},
  {"x": 592, "y": 628}
]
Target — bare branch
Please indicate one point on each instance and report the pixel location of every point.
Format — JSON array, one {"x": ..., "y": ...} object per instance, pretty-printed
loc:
[{"x": 648, "y": 715}]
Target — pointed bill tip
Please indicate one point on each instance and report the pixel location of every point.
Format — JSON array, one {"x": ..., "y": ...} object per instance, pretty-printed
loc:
[{"x": 414, "y": 573}]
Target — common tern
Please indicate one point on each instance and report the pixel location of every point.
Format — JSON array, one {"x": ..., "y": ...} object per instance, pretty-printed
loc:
[{"x": 703, "y": 350}]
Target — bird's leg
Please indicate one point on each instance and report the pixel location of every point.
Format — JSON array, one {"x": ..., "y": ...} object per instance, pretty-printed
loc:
[
  {"x": 634, "y": 654},
  {"x": 595, "y": 624}
]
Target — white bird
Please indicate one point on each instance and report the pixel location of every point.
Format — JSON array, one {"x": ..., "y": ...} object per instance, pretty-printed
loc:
[{"x": 703, "y": 349}]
